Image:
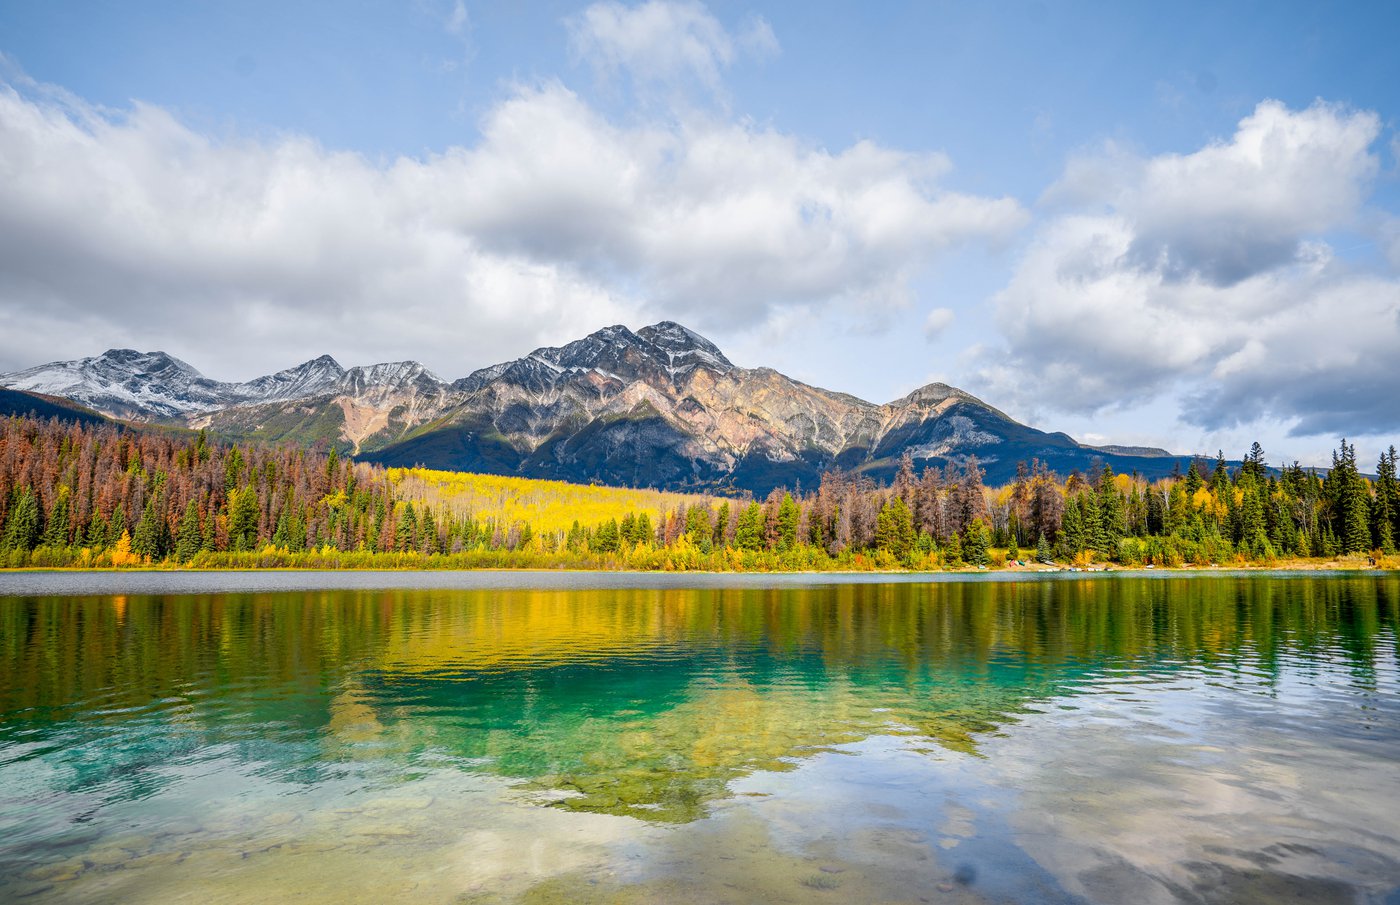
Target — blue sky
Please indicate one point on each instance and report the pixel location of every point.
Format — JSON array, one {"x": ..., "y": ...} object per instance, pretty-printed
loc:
[{"x": 1167, "y": 224}]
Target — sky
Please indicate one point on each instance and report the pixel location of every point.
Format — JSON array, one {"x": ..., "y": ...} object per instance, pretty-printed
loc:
[{"x": 1175, "y": 225}]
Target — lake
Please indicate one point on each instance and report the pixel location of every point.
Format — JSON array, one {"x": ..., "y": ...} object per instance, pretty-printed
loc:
[{"x": 582, "y": 738}]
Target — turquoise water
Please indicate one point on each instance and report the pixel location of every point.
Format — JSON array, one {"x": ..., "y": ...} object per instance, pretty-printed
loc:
[{"x": 482, "y": 738}]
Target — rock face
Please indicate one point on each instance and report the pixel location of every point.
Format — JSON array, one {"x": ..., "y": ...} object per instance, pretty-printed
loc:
[
  {"x": 661, "y": 407},
  {"x": 143, "y": 386}
]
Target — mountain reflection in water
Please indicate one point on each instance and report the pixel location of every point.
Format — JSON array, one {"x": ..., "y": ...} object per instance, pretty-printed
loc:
[{"x": 121, "y": 714}]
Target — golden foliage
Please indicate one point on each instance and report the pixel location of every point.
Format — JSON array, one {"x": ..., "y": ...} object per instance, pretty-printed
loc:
[{"x": 546, "y": 506}]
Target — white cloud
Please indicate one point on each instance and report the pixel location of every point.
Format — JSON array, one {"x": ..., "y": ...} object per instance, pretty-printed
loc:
[
  {"x": 243, "y": 255},
  {"x": 664, "y": 41},
  {"x": 457, "y": 20},
  {"x": 1205, "y": 275},
  {"x": 937, "y": 323}
]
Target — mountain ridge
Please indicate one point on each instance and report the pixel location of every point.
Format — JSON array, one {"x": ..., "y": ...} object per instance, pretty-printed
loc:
[{"x": 660, "y": 406}]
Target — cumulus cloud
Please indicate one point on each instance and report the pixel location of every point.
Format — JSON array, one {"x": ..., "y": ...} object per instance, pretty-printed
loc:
[
  {"x": 1205, "y": 275},
  {"x": 937, "y": 323},
  {"x": 664, "y": 41},
  {"x": 244, "y": 255}
]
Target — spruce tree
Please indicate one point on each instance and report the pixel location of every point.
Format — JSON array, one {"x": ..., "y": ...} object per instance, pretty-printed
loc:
[
  {"x": 427, "y": 528},
  {"x": 1110, "y": 505},
  {"x": 699, "y": 530},
  {"x": 1095, "y": 537},
  {"x": 25, "y": 523},
  {"x": 146, "y": 541},
  {"x": 243, "y": 519},
  {"x": 1042, "y": 549},
  {"x": 406, "y": 533},
  {"x": 788, "y": 517},
  {"x": 894, "y": 528},
  {"x": 721, "y": 526},
  {"x": 188, "y": 539},
  {"x": 749, "y": 534},
  {"x": 1072, "y": 539},
  {"x": 974, "y": 543},
  {"x": 56, "y": 525},
  {"x": 1385, "y": 519}
]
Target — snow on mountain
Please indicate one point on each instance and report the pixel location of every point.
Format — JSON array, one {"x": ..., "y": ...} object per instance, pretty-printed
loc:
[
  {"x": 684, "y": 348},
  {"x": 154, "y": 385},
  {"x": 127, "y": 383},
  {"x": 661, "y": 406},
  {"x": 313, "y": 378},
  {"x": 377, "y": 383},
  {"x": 661, "y": 351}
]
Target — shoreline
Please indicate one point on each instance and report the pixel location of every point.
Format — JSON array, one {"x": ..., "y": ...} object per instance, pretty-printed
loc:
[{"x": 17, "y": 584}]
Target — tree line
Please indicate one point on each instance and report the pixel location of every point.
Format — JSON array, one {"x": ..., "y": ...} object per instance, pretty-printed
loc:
[{"x": 80, "y": 495}]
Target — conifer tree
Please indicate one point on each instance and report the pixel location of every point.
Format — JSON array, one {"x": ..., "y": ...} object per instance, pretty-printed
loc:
[
  {"x": 717, "y": 540},
  {"x": 698, "y": 528},
  {"x": 56, "y": 525},
  {"x": 146, "y": 541},
  {"x": 894, "y": 528},
  {"x": 788, "y": 517},
  {"x": 25, "y": 523},
  {"x": 188, "y": 539},
  {"x": 406, "y": 533},
  {"x": 1072, "y": 537},
  {"x": 429, "y": 542},
  {"x": 1110, "y": 506},
  {"x": 974, "y": 543},
  {"x": 243, "y": 519},
  {"x": 749, "y": 534},
  {"x": 1385, "y": 512}
]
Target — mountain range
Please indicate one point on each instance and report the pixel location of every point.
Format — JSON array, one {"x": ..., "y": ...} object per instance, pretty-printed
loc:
[{"x": 660, "y": 407}]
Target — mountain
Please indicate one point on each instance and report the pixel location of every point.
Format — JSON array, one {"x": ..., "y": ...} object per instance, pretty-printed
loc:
[
  {"x": 661, "y": 406},
  {"x": 125, "y": 383}
]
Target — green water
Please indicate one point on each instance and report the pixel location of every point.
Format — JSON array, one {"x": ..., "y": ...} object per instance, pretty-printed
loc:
[{"x": 579, "y": 739}]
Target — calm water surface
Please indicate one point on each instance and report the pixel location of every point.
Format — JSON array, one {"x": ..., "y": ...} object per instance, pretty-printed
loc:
[{"x": 580, "y": 739}]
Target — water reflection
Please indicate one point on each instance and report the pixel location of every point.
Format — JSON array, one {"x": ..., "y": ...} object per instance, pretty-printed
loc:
[{"x": 656, "y": 704}]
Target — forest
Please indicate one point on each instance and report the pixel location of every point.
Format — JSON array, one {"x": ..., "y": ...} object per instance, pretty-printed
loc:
[{"x": 103, "y": 496}]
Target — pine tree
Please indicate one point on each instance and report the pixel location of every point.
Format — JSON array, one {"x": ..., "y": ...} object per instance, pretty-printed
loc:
[
  {"x": 1110, "y": 512},
  {"x": 1042, "y": 549},
  {"x": 749, "y": 533},
  {"x": 406, "y": 532},
  {"x": 1385, "y": 516},
  {"x": 56, "y": 526},
  {"x": 894, "y": 528},
  {"x": 699, "y": 529},
  {"x": 1351, "y": 501},
  {"x": 974, "y": 542},
  {"x": 1193, "y": 481},
  {"x": 428, "y": 531},
  {"x": 608, "y": 538},
  {"x": 243, "y": 519},
  {"x": 1095, "y": 537},
  {"x": 188, "y": 539},
  {"x": 25, "y": 523},
  {"x": 788, "y": 517},
  {"x": 146, "y": 541},
  {"x": 1072, "y": 538},
  {"x": 96, "y": 534}
]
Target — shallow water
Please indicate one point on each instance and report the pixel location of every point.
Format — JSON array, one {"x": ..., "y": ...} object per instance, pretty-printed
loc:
[{"x": 583, "y": 738}]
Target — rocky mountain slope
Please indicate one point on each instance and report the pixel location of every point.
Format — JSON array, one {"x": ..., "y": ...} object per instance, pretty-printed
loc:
[{"x": 661, "y": 406}]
